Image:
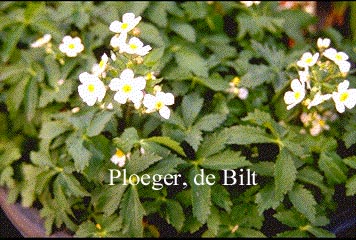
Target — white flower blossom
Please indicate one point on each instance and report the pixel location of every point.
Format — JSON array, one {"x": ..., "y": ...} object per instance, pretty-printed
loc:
[
  {"x": 323, "y": 43},
  {"x": 344, "y": 66},
  {"x": 135, "y": 46},
  {"x": 294, "y": 97},
  {"x": 118, "y": 40},
  {"x": 91, "y": 89},
  {"x": 118, "y": 158},
  {"x": 242, "y": 93},
  {"x": 129, "y": 21},
  {"x": 335, "y": 56},
  {"x": 344, "y": 97},
  {"x": 159, "y": 103},
  {"x": 308, "y": 60},
  {"x": 128, "y": 87},
  {"x": 319, "y": 98},
  {"x": 304, "y": 77},
  {"x": 318, "y": 125},
  {"x": 250, "y": 3},
  {"x": 41, "y": 41},
  {"x": 71, "y": 46},
  {"x": 99, "y": 69}
]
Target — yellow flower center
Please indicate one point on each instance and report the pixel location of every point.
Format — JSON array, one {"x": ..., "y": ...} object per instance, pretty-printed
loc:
[
  {"x": 91, "y": 88},
  {"x": 309, "y": 60},
  {"x": 124, "y": 26},
  {"x": 119, "y": 153},
  {"x": 98, "y": 226},
  {"x": 236, "y": 81},
  {"x": 338, "y": 57},
  {"x": 322, "y": 123},
  {"x": 297, "y": 95},
  {"x": 101, "y": 64},
  {"x": 159, "y": 105},
  {"x": 344, "y": 96},
  {"x": 71, "y": 46},
  {"x": 133, "y": 46},
  {"x": 126, "y": 88}
]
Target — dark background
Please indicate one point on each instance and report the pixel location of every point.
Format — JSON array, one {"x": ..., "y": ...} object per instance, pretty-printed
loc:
[{"x": 6, "y": 228}]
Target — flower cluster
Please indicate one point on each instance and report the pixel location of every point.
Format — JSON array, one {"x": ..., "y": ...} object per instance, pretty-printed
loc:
[
  {"x": 317, "y": 123},
  {"x": 241, "y": 92},
  {"x": 70, "y": 46},
  {"x": 321, "y": 79}
]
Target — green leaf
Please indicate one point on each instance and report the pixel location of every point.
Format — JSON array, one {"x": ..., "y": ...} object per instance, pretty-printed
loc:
[
  {"x": 195, "y": 10},
  {"x": 132, "y": 213},
  {"x": 263, "y": 168},
  {"x": 266, "y": 198},
  {"x": 127, "y": 139},
  {"x": 201, "y": 198},
  {"x": 53, "y": 129},
  {"x": 52, "y": 70},
  {"x": 332, "y": 166},
  {"x": 194, "y": 137},
  {"x": 15, "y": 95},
  {"x": 157, "y": 13},
  {"x": 31, "y": 99},
  {"x": 221, "y": 197},
  {"x": 29, "y": 187},
  {"x": 225, "y": 160},
  {"x": 303, "y": 200},
  {"x": 214, "y": 220},
  {"x": 71, "y": 185},
  {"x": 351, "y": 186},
  {"x": 311, "y": 176},
  {"x": 257, "y": 76},
  {"x": 167, "y": 141},
  {"x": 210, "y": 121},
  {"x": 214, "y": 82},
  {"x": 139, "y": 163},
  {"x": 192, "y": 61},
  {"x": 243, "y": 135},
  {"x": 350, "y": 161},
  {"x": 80, "y": 154},
  {"x": 191, "y": 106},
  {"x": 12, "y": 39},
  {"x": 184, "y": 30},
  {"x": 150, "y": 34},
  {"x": 98, "y": 123},
  {"x": 9, "y": 153},
  {"x": 291, "y": 218},
  {"x": 319, "y": 232},
  {"x": 41, "y": 159},
  {"x": 293, "y": 234},
  {"x": 107, "y": 199},
  {"x": 249, "y": 232},
  {"x": 175, "y": 215},
  {"x": 166, "y": 165},
  {"x": 284, "y": 173},
  {"x": 212, "y": 144}
]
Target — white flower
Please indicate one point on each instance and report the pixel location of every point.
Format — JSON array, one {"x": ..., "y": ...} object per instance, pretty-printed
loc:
[
  {"x": 242, "y": 93},
  {"x": 318, "y": 125},
  {"x": 344, "y": 66},
  {"x": 128, "y": 23},
  {"x": 294, "y": 97},
  {"x": 113, "y": 56},
  {"x": 335, "y": 56},
  {"x": 344, "y": 97},
  {"x": 135, "y": 46},
  {"x": 305, "y": 77},
  {"x": 308, "y": 60},
  {"x": 118, "y": 158},
  {"x": 323, "y": 43},
  {"x": 318, "y": 98},
  {"x": 41, "y": 41},
  {"x": 306, "y": 118},
  {"x": 71, "y": 46},
  {"x": 98, "y": 69},
  {"x": 250, "y": 3},
  {"x": 119, "y": 40},
  {"x": 159, "y": 103},
  {"x": 91, "y": 89},
  {"x": 128, "y": 87}
]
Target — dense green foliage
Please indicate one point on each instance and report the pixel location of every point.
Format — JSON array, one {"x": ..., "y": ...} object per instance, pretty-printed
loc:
[{"x": 59, "y": 158}]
